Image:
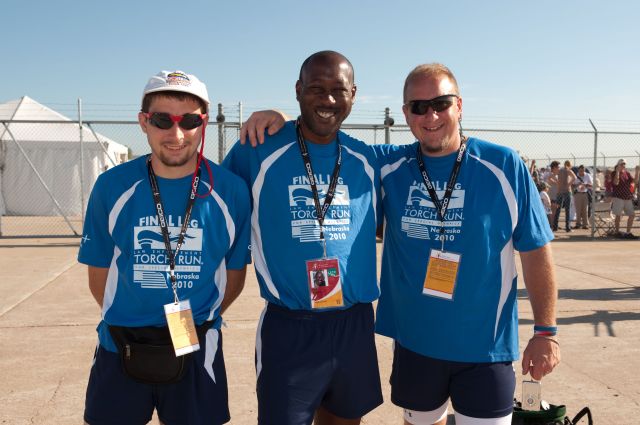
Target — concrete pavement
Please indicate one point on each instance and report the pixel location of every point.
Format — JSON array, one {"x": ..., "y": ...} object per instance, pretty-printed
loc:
[{"x": 48, "y": 319}]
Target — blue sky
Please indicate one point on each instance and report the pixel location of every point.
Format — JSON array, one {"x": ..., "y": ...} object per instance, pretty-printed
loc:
[{"x": 542, "y": 63}]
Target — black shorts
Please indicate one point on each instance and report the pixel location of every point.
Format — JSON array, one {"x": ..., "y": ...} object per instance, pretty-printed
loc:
[
  {"x": 477, "y": 390},
  {"x": 305, "y": 360},
  {"x": 200, "y": 397}
]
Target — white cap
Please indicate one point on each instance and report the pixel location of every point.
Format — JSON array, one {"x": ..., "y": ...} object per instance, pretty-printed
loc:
[{"x": 177, "y": 81}]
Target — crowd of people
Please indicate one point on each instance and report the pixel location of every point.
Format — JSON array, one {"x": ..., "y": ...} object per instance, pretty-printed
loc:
[{"x": 572, "y": 189}]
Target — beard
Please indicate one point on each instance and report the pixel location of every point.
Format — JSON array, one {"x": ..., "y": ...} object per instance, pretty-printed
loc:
[
  {"x": 175, "y": 162},
  {"x": 439, "y": 146}
]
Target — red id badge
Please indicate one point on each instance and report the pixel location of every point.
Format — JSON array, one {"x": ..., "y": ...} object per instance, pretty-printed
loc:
[{"x": 325, "y": 285}]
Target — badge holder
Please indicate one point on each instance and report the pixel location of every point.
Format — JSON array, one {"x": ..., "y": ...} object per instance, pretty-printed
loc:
[
  {"x": 181, "y": 325},
  {"x": 442, "y": 272},
  {"x": 325, "y": 285}
]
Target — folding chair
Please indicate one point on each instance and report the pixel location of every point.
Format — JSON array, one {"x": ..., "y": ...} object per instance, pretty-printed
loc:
[{"x": 603, "y": 219}]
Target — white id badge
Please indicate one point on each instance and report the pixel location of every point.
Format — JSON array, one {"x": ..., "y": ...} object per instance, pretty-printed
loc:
[
  {"x": 531, "y": 395},
  {"x": 442, "y": 271},
  {"x": 181, "y": 327}
]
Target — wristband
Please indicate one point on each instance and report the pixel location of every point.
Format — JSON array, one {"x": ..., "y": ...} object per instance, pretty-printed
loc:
[
  {"x": 550, "y": 338},
  {"x": 545, "y": 330}
]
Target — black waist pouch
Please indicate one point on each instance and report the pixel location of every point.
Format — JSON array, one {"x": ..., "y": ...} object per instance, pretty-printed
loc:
[{"x": 148, "y": 356}]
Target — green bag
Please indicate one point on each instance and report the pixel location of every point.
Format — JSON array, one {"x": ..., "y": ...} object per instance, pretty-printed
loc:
[{"x": 555, "y": 415}]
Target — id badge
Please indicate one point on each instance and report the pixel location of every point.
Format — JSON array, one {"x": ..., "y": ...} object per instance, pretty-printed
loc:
[
  {"x": 441, "y": 274},
  {"x": 181, "y": 327},
  {"x": 325, "y": 285}
]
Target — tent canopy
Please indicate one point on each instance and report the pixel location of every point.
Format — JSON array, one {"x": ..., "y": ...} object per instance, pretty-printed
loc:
[{"x": 54, "y": 153}]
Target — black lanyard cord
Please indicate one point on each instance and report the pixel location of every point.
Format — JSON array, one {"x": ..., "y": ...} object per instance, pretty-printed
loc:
[
  {"x": 441, "y": 206},
  {"x": 320, "y": 210},
  {"x": 164, "y": 228}
]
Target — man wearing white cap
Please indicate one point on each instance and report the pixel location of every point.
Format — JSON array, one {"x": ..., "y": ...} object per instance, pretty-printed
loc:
[{"x": 166, "y": 240}]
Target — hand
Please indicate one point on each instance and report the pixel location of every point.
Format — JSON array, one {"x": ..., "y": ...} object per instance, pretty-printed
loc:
[
  {"x": 540, "y": 357},
  {"x": 255, "y": 126}
]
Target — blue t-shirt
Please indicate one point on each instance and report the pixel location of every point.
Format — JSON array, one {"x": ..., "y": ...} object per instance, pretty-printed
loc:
[
  {"x": 121, "y": 233},
  {"x": 494, "y": 209},
  {"x": 285, "y": 231}
]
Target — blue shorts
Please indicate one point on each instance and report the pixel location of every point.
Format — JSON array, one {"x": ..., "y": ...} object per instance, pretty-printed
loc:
[
  {"x": 477, "y": 390},
  {"x": 200, "y": 397},
  {"x": 305, "y": 360}
]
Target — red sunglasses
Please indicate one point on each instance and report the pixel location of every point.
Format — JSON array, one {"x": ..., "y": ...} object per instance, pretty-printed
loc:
[{"x": 165, "y": 121}]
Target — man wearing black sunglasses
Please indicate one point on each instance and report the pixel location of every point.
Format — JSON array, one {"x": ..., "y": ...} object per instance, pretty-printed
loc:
[
  {"x": 166, "y": 240},
  {"x": 315, "y": 193},
  {"x": 456, "y": 209}
]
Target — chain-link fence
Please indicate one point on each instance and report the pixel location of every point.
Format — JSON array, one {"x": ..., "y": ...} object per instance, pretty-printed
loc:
[{"x": 48, "y": 168}]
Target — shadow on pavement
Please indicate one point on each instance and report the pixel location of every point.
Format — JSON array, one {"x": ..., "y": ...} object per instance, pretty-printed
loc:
[
  {"x": 597, "y": 318},
  {"x": 600, "y": 294}
]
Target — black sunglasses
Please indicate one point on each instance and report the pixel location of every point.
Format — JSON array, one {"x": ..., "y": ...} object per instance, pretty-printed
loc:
[
  {"x": 438, "y": 104},
  {"x": 165, "y": 121}
]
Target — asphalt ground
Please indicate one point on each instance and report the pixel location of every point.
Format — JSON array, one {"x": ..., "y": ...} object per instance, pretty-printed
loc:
[{"x": 48, "y": 320}]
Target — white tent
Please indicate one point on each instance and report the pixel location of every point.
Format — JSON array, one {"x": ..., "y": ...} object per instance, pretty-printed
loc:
[{"x": 32, "y": 153}]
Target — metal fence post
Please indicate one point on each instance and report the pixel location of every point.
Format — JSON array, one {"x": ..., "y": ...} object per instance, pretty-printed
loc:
[
  {"x": 81, "y": 160},
  {"x": 595, "y": 174},
  {"x": 221, "y": 142},
  {"x": 239, "y": 118},
  {"x": 388, "y": 122}
]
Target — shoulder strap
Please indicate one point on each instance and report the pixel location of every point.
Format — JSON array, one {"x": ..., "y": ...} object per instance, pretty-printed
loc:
[{"x": 585, "y": 411}]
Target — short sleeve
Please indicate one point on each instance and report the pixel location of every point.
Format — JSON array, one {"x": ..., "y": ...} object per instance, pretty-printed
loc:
[{"x": 96, "y": 245}]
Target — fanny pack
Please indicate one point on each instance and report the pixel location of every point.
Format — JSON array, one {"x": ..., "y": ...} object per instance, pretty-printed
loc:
[{"x": 147, "y": 354}]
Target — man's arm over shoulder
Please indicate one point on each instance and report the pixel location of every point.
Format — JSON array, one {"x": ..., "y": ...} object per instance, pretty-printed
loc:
[
  {"x": 386, "y": 152},
  {"x": 542, "y": 354},
  {"x": 390, "y": 157},
  {"x": 254, "y": 128}
]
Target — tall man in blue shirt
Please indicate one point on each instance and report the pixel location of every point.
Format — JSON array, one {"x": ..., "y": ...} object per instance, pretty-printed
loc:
[{"x": 315, "y": 191}]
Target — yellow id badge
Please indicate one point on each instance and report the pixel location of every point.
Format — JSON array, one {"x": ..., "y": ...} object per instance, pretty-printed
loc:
[
  {"x": 441, "y": 274},
  {"x": 325, "y": 285},
  {"x": 181, "y": 327}
]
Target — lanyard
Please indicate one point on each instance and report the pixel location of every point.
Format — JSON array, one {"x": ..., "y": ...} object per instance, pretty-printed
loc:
[
  {"x": 441, "y": 206},
  {"x": 155, "y": 190},
  {"x": 320, "y": 210}
]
